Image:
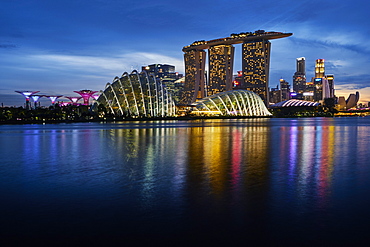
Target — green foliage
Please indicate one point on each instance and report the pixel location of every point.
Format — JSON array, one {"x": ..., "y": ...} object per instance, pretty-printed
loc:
[
  {"x": 54, "y": 113},
  {"x": 301, "y": 111}
]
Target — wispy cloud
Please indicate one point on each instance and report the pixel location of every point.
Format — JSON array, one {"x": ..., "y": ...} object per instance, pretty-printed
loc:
[
  {"x": 116, "y": 64},
  {"x": 61, "y": 73},
  {"x": 7, "y": 46}
]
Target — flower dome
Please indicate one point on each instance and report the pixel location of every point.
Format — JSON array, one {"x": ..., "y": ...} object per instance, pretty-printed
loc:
[{"x": 137, "y": 95}]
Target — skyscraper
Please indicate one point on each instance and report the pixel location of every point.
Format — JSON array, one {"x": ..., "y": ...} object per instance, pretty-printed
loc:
[
  {"x": 330, "y": 79},
  {"x": 285, "y": 90},
  {"x": 299, "y": 77},
  {"x": 221, "y": 59},
  {"x": 320, "y": 68},
  {"x": 194, "y": 87},
  {"x": 321, "y": 84},
  {"x": 255, "y": 63}
]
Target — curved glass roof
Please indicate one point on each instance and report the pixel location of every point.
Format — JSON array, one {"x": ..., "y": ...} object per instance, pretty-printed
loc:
[
  {"x": 295, "y": 102},
  {"x": 232, "y": 103},
  {"x": 137, "y": 95}
]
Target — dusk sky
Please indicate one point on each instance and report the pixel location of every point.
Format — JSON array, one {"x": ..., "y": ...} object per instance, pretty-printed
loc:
[{"x": 56, "y": 47}]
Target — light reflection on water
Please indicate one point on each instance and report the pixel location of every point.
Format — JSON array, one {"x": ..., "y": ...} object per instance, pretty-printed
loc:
[{"x": 284, "y": 179}]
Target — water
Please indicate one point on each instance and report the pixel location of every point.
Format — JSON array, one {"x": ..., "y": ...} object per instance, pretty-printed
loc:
[{"x": 227, "y": 182}]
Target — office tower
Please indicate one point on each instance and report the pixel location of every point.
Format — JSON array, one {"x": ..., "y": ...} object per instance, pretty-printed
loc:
[
  {"x": 299, "y": 77},
  {"x": 321, "y": 89},
  {"x": 330, "y": 79},
  {"x": 285, "y": 90},
  {"x": 194, "y": 87},
  {"x": 221, "y": 58},
  {"x": 255, "y": 63},
  {"x": 320, "y": 68},
  {"x": 275, "y": 95}
]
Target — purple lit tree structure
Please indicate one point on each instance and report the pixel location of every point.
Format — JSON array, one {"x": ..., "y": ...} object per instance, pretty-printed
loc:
[
  {"x": 73, "y": 99},
  {"x": 36, "y": 99},
  {"x": 86, "y": 95},
  {"x": 27, "y": 95},
  {"x": 53, "y": 98},
  {"x": 95, "y": 96}
]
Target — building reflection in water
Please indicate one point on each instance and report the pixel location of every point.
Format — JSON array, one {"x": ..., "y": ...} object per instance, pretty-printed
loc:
[
  {"x": 236, "y": 173},
  {"x": 216, "y": 157},
  {"x": 239, "y": 157}
]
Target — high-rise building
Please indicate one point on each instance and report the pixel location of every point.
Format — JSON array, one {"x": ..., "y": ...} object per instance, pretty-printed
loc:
[
  {"x": 320, "y": 68},
  {"x": 255, "y": 63},
  {"x": 194, "y": 87},
  {"x": 321, "y": 89},
  {"x": 275, "y": 95},
  {"x": 285, "y": 90},
  {"x": 330, "y": 79},
  {"x": 299, "y": 77},
  {"x": 221, "y": 59}
]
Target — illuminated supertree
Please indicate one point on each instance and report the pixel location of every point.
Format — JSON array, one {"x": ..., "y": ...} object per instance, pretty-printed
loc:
[
  {"x": 27, "y": 95},
  {"x": 96, "y": 96},
  {"x": 85, "y": 94},
  {"x": 36, "y": 99},
  {"x": 73, "y": 99},
  {"x": 53, "y": 98}
]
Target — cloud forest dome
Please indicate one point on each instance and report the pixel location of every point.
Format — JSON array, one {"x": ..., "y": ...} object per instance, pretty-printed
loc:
[
  {"x": 232, "y": 103},
  {"x": 137, "y": 95}
]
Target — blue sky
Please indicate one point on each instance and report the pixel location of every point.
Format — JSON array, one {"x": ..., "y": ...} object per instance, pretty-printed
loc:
[{"x": 57, "y": 47}]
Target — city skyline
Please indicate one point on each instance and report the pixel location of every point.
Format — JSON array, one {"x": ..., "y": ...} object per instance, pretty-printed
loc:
[{"x": 64, "y": 46}]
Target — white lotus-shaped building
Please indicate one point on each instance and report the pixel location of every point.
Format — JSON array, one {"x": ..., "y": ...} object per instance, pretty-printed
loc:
[
  {"x": 137, "y": 95},
  {"x": 232, "y": 103}
]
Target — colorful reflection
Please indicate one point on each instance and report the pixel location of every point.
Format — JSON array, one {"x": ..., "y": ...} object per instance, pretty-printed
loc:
[{"x": 187, "y": 176}]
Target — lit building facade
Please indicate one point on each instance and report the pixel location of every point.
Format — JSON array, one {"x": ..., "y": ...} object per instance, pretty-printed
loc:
[
  {"x": 221, "y": 59},
  {"x": 194, "y": 87},
  {"x": 320, "y": 68},
  {"x": 275, "y": 95},
  {"x": 256, "y": 63},
  {"x": 330, "y": 79},
  {"x": 285, "y": 90},
  {"x": 322, "y": 90},
  {"x": 256, "y": 49},
  {"x": 162, "y": 71},
  {"x": 299, "y": 77}
]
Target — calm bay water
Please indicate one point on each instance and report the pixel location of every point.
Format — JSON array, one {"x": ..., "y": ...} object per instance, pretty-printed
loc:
[{"x": 276, "y": 181}]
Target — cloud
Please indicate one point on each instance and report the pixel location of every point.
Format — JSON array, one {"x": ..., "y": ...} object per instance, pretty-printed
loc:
[
  {"x": 63, "y": 73},
  {"x": 7, "y": 46},
  {"x": 91, "y": 64}
]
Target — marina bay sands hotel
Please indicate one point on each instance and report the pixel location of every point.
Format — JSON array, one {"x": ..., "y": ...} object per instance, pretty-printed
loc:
[{"x": 256, "y": 49}]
